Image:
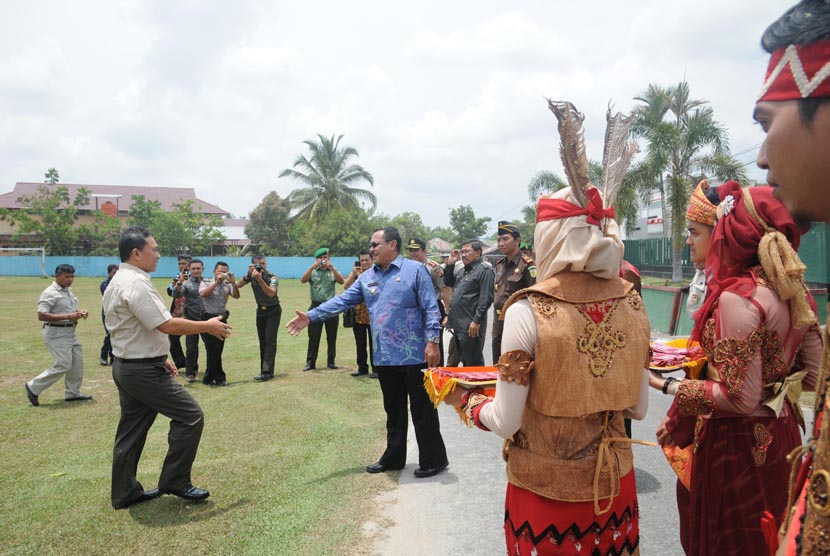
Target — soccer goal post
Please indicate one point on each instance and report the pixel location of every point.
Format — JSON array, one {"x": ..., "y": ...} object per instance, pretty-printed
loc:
[{"x": 27, "y": 251}]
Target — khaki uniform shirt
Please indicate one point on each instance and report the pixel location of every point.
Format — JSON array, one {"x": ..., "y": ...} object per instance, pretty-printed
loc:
[
  {"x": 134, "y": 310},
  {"x": 56, "y": 299},
  {"x": 512, "y": 275}
]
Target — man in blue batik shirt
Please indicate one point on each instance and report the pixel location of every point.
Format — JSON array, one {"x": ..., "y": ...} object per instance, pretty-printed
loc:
[{"x": 406, "y": 329}]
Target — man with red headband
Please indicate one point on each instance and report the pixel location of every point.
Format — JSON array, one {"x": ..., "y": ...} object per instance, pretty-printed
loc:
[{"x": 794, "y": 112}]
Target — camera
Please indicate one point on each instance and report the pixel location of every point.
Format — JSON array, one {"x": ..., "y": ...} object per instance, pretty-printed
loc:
[
  {"x": 221, "y": 276},
  {"x": 258, "y": 267},
  {"x": 324, "y": 262},
  {"x": 186, "y": 273}
]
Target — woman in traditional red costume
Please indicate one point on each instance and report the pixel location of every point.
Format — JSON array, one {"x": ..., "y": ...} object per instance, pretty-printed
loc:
[
  {"x": 758, "y": 328},
  {"x": 575, "y": 346}
]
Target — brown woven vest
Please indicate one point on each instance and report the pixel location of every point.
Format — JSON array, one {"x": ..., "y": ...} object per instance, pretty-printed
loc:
[{"x": 593, "y": 343}]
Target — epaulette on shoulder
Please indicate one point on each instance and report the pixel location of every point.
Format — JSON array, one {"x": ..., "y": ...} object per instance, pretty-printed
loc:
[{"x": 527, "y": 259}]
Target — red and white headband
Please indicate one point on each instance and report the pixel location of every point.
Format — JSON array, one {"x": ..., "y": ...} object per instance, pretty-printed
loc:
[{"x": 797, "y": 72}]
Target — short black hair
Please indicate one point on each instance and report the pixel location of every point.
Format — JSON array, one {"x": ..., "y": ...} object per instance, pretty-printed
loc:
[
  {"x": 133, "y": 237},
  {"x": 197, "y": 261},
  {"x": 184, "y": 258},
  {"x": 64, "y": 268},
  {"x": 221, "y": 263},
  {"x": 805, "y": 23},
  {"x": 256, "y": 256},
  {"x": 390, "y": 234},
  {"x": 111, "y": 267},
  {"x": 364, "y": 252},
  {"x": 474, "y": 243}
]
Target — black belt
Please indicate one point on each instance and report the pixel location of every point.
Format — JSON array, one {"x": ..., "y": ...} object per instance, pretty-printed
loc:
[
  {"x": 60, "y": 325},
  {"x": 159, "y": 359}
]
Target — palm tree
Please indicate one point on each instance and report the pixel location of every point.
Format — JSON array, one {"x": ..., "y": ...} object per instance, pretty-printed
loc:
[
  {"x": 547, "y": 182},
  {"x": 329, "y": 178},
  {"x": 685, "y": 145}
]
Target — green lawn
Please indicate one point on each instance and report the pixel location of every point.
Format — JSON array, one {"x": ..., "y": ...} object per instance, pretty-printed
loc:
[{"x": 283, "y": 460}]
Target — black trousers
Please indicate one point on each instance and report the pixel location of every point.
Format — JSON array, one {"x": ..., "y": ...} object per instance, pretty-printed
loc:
[
  {"x": 144, "y": 391},
  {"x": 498, "y": 328},
  {"x": 315, "y": 332},
  {"x": 176, "y": 352},
  {"x": 362, "y": 337},
  {"x": 397, "y": 383},
  {"x": 191, "y": 355},
  {"x": 267, "y": 326},
  {"x": 471, "y": 349},
  {"x": 106, "y": 347},
  {"x": 214, "y": 371}
]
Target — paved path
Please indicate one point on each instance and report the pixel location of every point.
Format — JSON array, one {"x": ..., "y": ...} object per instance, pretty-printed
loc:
[{"x": 461, "y": 511}]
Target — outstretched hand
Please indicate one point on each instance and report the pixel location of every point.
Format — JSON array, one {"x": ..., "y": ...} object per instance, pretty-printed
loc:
[
  {"x": 219, "y": 328},
  {"x": 299, "y": 322}
]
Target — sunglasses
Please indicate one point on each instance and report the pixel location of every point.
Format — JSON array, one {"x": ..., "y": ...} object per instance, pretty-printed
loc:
[{"x": 374, "y": 244}]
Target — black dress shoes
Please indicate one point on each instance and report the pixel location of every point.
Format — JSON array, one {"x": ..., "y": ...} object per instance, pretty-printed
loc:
[
  {"x": 423, "y": 473},
  {"x": 31, "y": 396},
  {"x": 359, "y": 373},
  {"x": 189, "y": 493},
  {"x": 309, "y": 368},
  {"x": 146, "y": 495},
  {"x": 373, "y": 375},
  {"x": 378, "y": 467},
  {"x": 332, "y": 366},
  {"x": 263, "y": 377},
  {"x": 78, "y": 398}
]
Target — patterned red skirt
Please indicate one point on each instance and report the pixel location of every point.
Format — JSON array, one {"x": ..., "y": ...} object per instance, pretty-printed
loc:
[{"x": 538, "y": 526}]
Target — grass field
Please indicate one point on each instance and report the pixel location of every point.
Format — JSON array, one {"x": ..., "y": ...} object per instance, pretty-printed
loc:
[{"x": 284, "y": 460}]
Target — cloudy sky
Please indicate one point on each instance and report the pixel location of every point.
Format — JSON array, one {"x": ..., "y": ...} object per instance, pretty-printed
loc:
[{"x": 443, "y": 100}]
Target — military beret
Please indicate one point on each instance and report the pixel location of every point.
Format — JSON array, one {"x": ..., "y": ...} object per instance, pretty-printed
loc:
[{"x": 321, "y": 251}]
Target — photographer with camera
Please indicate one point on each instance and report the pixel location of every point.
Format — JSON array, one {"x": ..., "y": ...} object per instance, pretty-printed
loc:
[
  {"x": 177, "y": 310},
  {"x": 187, "y": 287},
  {"x": 215, "y": 295},
  {"x": 322, "y": 276},
  {"x": 362, "y": 326},
  {"x": 268, "y": 313}
]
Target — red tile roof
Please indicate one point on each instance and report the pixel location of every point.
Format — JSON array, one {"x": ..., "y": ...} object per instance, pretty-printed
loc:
[{"x": 167, "y": 196}]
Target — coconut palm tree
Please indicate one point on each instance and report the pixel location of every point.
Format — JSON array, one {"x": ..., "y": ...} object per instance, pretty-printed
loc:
[
  {"x": 685, "y": 145},
  {"x": 329, "y": 178}
]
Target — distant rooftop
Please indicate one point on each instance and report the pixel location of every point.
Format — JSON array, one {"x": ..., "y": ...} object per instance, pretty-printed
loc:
[{"x": 120, "y": 195}]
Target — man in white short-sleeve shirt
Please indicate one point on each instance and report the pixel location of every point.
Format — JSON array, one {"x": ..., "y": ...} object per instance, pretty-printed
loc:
[{"x": 139, "y": 324}]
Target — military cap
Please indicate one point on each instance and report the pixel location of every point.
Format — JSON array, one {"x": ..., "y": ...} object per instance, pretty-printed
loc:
[
  {"x": 506, "y": 227},
  {"x": 416, "y": 243},
  {"x": 321, "y": 251}
]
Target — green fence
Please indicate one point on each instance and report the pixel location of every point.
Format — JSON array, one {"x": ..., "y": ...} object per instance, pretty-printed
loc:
[{"x": 654, "y": 253}]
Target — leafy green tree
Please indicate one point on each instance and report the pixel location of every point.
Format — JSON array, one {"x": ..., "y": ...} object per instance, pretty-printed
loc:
[
  {"x": 52, "y": 176},
  {"x": 442, "y": 232},
  {"x": 685, "y": 145},
  {"x": 466, "y": 226},
  {"x": 100, "y": 237},
  {"x": 330, "y": 180},
  {"x": 182, "y": 230},
  {"x": 49, "y": 215},
  {"x": 410, "y": 225},
  {"x": 344, "y": 231},
  {"x": 270, "y": 225}
]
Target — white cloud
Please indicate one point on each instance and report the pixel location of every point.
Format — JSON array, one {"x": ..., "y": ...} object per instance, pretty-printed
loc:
[{"x": 444, "y": 102}]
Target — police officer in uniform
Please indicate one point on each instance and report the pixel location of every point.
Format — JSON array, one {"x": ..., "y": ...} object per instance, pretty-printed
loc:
[
  {"x": 418, "y": 252},
  {"x": 513, "y": 273}
]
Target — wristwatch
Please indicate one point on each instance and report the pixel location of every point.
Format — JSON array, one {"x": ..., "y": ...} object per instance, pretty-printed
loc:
[{"x": 434, "y": 340}]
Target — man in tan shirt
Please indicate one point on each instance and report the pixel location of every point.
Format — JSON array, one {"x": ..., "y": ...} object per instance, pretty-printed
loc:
[
  {"x": 139, "y": 324},
  {"x": 58, "y": 309}
]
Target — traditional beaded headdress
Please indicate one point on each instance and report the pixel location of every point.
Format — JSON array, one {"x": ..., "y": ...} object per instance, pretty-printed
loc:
[
  {"x": 701, "y": 209},
  {"x": 797, "y": 72}
]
